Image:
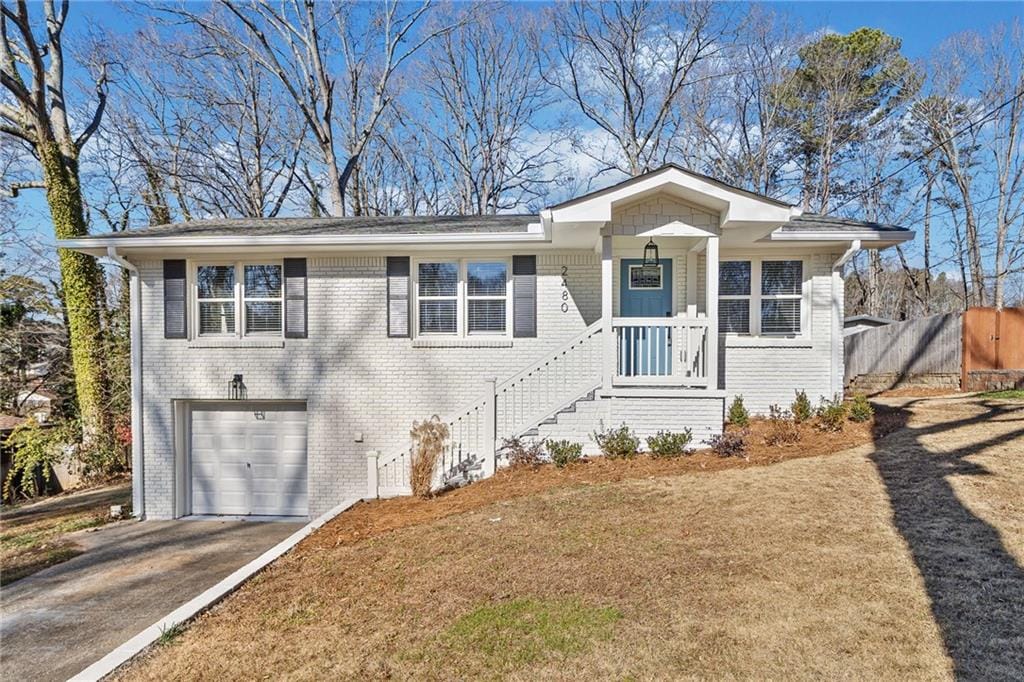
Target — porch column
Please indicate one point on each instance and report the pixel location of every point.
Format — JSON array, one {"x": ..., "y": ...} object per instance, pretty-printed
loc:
[
  {"x": 711, "y": 306},
  {"x": 607, "y": 280}
]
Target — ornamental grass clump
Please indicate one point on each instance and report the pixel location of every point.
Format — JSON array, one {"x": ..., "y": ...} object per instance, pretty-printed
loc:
[
  {"x": 669, "y": 443},
  {"x": 428, "y": 442},
  {"x": 564, "y": 452},
  {"x": 801, "y": 408},
  {"x": 738, "y": 414},
  {"x": 617, "y": 443},
  {"x": 860, "y": 409}
]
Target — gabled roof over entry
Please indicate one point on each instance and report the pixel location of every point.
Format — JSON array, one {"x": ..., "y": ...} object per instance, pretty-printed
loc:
[{"x": 736, "y": 206}]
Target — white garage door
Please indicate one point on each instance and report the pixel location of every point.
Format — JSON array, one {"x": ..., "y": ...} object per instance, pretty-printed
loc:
[{"x": 249, "y": 459}]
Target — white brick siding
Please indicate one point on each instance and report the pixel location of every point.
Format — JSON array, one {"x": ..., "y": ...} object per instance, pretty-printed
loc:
[
  {"x": 645, "y": 416},
  {"x": 357, "y": 381},
  {"x": 354, "y": 379},
  {"x": 771, "y": 373}
]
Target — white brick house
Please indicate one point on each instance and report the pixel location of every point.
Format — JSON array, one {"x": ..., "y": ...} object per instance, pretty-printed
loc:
[{"x": 343, "y": 331}]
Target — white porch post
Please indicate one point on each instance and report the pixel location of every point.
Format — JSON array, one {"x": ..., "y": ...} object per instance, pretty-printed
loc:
[
  {"x": 372, "y": 481},
  {"x": 711, "y": 306},
  {"x": 489, "y": 454},
  {"x": 607, "y": 280}
]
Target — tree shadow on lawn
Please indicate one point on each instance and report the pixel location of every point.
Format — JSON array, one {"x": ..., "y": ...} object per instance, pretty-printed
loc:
[{"x": 976, "y": 587}]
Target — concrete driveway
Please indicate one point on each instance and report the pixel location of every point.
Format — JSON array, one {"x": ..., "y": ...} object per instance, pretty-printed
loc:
[{"x": 57, "y": 622}]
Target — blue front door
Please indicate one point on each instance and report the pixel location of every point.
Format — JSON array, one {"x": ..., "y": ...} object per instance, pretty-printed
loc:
[{"x": 645, "y": 292}]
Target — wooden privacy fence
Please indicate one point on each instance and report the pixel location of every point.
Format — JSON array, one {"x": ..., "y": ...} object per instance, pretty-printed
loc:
[
  {"x": 981, "y": 349},
  {"x": 927, "y": 351},
  {"x": 993, "y": 349}
]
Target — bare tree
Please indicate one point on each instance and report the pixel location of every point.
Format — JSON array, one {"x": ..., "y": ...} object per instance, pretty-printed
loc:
[
  {"x": 482, "y": 94},
  {"x": 732, "y": 119},
  {"x": 623, "y": 66},
  {"x": 293, "y": 41}
]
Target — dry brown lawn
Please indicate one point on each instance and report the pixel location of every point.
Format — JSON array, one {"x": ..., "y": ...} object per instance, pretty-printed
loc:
[
  {"x": 895, "y": 560},
  {"x": 38, "y": 535}
]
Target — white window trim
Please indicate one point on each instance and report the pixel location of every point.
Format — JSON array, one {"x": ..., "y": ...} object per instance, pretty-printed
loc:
[
  {"x": 239, "y": 299},
  {"x": 462, "y": 299},
  {"x": 661, "y": 277},
  {"x": 756, "y": 298}
]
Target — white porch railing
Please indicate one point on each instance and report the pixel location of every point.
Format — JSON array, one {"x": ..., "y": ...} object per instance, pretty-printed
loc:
[
  {"x": 657, "y": 351},
  {"x": 507, "y": 409}
]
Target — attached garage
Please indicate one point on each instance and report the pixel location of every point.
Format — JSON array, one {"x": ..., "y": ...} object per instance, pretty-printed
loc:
[{"x": 247, "y": 459}]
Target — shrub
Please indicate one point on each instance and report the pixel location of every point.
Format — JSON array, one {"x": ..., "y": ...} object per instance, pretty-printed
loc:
[
  {"x": 801, "y": 408},
  {"x": 428, "y": 443},
  {"x": 564, "y": 452},
  {"x": 616, "y": 443},
  {"x": 36, "y": 448},
  {"x": 669, "y": 444},
  {"x": 781, "y": 427},
  {"x": 860, "y": 409},
  {"x": 831, "y": 414},
  {"x": 730, "y": 443},
  {"x": 738, "y": 414},
  {"x": 522, "y": 453}
]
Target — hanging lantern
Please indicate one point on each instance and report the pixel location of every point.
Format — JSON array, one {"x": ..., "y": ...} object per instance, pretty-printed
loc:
[
  {"x": 236, "y": 388},
  {"x": 651, "y": 254}
]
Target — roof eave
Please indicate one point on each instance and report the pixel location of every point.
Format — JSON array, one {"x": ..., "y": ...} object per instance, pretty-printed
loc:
[
  {"x": 98, "y": 246},
  {"x": 877, "y": 237}
]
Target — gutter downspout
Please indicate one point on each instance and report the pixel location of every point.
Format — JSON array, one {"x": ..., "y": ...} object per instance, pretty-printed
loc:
[
  {"x": 838, "y": 349},
  {"x": 135, "y": 327}
]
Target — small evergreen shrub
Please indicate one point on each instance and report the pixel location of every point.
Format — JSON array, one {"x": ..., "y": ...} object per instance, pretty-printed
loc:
[
  {"x": 831, "y": 415},
  {"x": 801, "y": 408},
  {"x": 668, "y": 443},
  {"x": 730, "y": 443},
  {"x": 521, "y": 453},
  {"x": 738, "y": 414},
  {"x": 860, "y": 409},
  {"x": 617, "y": 443},
  {"x": 782, "y": 428},
  {"x": 564, "y": 452}
]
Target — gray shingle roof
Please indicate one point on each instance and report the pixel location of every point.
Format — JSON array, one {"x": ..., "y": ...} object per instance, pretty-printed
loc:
[
  {"x": 813, "y": 222},
  {"x": 360, "y": 225}
]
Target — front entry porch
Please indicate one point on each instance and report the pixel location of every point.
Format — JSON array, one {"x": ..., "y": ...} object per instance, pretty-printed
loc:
[{"x": 658, "y": 331}]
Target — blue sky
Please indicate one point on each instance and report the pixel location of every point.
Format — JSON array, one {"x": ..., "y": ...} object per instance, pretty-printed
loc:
[{"x": 921, "y": 25}]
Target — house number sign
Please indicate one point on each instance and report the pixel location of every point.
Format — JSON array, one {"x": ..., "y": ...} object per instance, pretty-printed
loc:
[{"x": 565, "y": 289}]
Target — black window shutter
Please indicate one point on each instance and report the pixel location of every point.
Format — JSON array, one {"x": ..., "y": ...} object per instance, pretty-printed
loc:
[
  {"x": 175, "y": 308},
  {"x": 296, "y": 300},
  {"x": 399, "y": 324},
  {"x": 524, "y": 296}
]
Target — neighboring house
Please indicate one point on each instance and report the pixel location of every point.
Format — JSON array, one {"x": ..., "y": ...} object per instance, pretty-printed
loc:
[
  {"x": 38, "y": 403},
  {"x": 271, "y": 357},
  {"x": 856, "y": 324}
]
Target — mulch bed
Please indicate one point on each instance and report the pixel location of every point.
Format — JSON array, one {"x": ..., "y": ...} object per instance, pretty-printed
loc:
[{"x": 377, "y": 517}]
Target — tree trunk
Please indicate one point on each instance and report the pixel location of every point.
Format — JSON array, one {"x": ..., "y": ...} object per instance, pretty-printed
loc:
[{"x": 83, "y": 286}]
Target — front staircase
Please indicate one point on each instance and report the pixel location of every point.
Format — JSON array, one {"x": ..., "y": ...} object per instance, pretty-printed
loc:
[{"x": 517, "y": 406}]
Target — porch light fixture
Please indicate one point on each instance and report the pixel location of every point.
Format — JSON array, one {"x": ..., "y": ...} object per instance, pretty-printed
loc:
[
  {"x": 236, "y": 388},
  {"x": 651, "y": 254}
]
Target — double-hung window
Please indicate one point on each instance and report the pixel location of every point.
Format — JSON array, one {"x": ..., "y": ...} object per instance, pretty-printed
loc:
[
  {"x": 467, "y": 297},
  {"x": 761, "y": 297},
  {"x": 239, "y": 299}
]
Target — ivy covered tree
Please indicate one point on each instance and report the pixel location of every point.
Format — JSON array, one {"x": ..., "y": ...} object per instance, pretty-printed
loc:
[{"x": 35, "y": 111}]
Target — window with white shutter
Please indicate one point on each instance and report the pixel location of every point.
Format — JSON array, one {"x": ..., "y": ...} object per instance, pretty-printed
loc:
[
  {"x": 486, "y": 297},
  {"x": 734, "y": 297}
]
